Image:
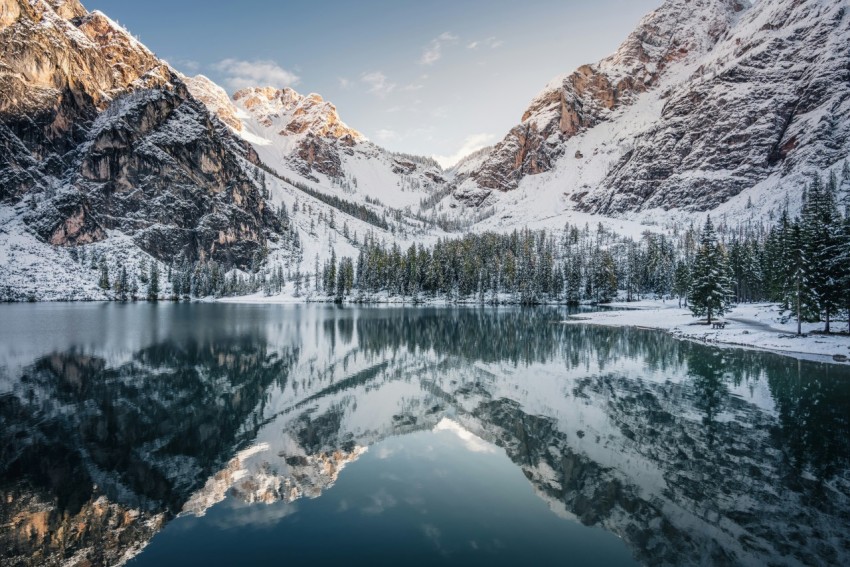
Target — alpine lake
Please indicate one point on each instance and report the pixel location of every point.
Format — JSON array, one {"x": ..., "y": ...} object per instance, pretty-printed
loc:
[{"x": 227, "y": 434}]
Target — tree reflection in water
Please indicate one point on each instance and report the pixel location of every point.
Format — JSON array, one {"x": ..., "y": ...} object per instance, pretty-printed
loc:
[{"x": 731, "y": 455}]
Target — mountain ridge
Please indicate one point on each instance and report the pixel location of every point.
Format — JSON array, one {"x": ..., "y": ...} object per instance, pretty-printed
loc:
[{"x": 746, "y": 66}]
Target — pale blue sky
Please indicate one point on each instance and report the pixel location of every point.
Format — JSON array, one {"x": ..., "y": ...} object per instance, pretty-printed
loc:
[{"x": 430, "y": 78}]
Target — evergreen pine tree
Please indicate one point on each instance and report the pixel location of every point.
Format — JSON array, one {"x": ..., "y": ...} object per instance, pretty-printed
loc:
[
  {"x": 574, "y": 283},
  {"x": 820, "y": 235},
  {"x": 122, "y": 285},
  {"x": 840, "y": 266},
  {"x": 104, "y": 275},
  {"x": 682, "y": 282},
  {"x": 143, "y": 270},
  {"x": 297, "y": 283},
  {"x": 153, "y": 282},
  {"x": 798, "y": 291},
  {"x": 605, "y": 278},
  {"x": 711, "y": 290}
]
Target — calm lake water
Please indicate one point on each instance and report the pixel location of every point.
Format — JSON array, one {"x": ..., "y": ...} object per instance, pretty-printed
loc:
[{"x": 217, "y": 434}]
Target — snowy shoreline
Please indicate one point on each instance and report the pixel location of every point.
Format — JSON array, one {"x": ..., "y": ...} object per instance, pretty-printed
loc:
[{"x": 756, "y": 325}]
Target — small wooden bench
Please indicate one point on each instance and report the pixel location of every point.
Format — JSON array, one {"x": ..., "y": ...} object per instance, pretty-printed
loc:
[{"x": 718, "y": 325}]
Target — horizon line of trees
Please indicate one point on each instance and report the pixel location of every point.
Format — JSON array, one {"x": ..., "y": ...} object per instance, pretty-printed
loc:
[{"x": 803, "y": 264}]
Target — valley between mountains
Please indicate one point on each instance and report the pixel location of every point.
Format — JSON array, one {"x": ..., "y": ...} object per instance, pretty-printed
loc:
[{"x": 121, "y": 177}]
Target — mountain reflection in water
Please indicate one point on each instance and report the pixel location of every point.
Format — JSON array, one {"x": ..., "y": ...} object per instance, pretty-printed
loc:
[{"x": 115, "y": 419}]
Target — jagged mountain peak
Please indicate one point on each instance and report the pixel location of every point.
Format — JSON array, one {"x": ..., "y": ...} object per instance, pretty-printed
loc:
[
  {"x": 295, "y": 113},
  {"x": 215, "y": 99},
  {"x": 47, "y": 48},
  {"x": 304, "y": 135}
]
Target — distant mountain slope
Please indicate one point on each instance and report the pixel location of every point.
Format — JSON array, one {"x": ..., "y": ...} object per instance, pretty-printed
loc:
[
  {"x": 304, "y": 135},
  {"x": 704, "y": 100}
]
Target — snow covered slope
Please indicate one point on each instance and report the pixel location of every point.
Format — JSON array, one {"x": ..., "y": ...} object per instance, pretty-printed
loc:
[
  {"x": 706, "y": 104},
  {"x": 303, "y": 137}
]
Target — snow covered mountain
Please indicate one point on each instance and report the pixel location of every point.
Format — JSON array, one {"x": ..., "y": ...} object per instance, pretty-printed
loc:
[
  {"x": 709, "y": 105},
  {"x": 705, "y": 101},
  {"x": 100, "y": 135},
  {"x": 106, "y": 151},
  {"x": 304, "y": 137}
]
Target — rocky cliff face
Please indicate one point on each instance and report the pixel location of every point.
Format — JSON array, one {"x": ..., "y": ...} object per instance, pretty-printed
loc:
[
  {"x": 703, "y": 100},
  {"x": 98, "y": 134},
  {"x": 772, "y": 99}
]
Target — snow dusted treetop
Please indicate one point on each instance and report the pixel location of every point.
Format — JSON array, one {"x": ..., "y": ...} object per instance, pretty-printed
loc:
[{"x": 711, "y": 287}]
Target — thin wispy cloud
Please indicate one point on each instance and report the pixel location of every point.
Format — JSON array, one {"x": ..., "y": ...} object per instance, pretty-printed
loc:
[
  {"x": 240, "y": 74},
  {"x": 491, "y": 42},
  {"x": 432, "y": 54},
  {"x": 471, "y": 143},
  {"x": 344, "y": 83},
  {"x": 385, "y": 134},
  {"x": 378, "y": 84},
  {"x": 417, "y": 84},
  {"x": 391, "y": 135},
  {"x": 380, "y": 502},
  {"x": 434, "y": 51}
]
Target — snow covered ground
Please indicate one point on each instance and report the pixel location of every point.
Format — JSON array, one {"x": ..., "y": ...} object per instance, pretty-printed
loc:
[{"x": 756, "y": 325}]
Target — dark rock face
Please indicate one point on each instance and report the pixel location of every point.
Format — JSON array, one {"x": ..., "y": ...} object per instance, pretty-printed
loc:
[
  {"x": 742, "y": 93},
  {"x": 106, "y": 137},
  {"x": 315, "y": 153},
  {"x": 779, "y": 106}
]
